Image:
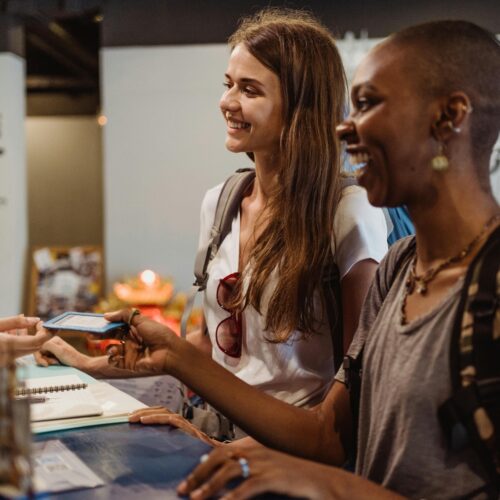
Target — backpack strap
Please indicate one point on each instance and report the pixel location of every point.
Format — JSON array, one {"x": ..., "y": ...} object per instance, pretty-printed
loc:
[
  {"x": 333, "y": 304},
  {"x": 471, "y": 416},
  {"x": 227, "y": 207},
  {"x": 332, "y": 295},
  {"x": 228, "y": 204}
]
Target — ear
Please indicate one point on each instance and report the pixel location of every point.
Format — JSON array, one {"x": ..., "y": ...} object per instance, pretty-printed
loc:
[{"x": 452, "y": 117}]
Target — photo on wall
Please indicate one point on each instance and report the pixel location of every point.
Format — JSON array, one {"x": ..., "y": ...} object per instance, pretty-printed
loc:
[{"x": 65, "y": 279}]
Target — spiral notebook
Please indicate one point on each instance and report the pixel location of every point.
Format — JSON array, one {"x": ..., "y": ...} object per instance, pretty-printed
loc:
[{"x": 60, "y": 397}]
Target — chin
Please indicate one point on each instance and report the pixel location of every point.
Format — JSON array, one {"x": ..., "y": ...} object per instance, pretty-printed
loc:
[
  {"x": 376, "y": 195},
  {"x": 376, "y": 188},
  {"x": 233, "y": 148}
]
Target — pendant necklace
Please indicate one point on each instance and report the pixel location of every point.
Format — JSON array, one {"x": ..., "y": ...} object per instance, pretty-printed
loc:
[{"x": 419, "y": 283}]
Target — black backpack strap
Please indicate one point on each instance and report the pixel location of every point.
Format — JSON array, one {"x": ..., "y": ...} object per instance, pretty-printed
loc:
[
  {"x": 471, "y": 417},
  {"x": 332, "y": 295}
]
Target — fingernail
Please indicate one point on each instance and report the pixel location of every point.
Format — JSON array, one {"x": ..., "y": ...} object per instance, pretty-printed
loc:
[
  {"x": 182, "y": 488},
  {"x": 196, "y": 493}
]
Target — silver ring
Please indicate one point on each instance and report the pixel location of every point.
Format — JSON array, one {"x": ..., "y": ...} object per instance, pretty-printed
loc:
[
  {"x": 245, "y": 468},
  {"x": 203, "y": 458}
]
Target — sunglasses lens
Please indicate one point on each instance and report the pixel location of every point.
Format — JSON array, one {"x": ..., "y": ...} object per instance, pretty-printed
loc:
[
  {"x": 228, "y": 336},
  {"x": 226, "y": 290}
]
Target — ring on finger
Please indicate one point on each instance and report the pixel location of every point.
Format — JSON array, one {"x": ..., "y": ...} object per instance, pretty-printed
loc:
[
  {"x": 133, "y": 312},
  {"x": 245, "y": 468}
]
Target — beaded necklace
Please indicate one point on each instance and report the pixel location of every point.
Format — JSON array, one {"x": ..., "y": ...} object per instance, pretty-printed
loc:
[{"x": 419, "y": 283}]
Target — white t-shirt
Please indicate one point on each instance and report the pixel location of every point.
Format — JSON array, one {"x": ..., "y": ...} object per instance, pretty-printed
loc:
[{"x": 300, "y": 370}]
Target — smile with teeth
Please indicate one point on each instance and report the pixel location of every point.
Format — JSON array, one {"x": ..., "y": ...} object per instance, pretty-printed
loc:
[
  {"x": 237, "y": 125},
  {"x": 359, "y": 158}
]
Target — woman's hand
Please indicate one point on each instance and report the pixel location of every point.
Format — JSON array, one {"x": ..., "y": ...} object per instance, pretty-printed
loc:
[
  {"x": 14, "y": 330},
  {"x": 57, "y": 351},
  {"x": 264, "y": 470},
  {"x": 161, "y": 415},
  {"x": 269, "y": 471},
  {"x": 147, "y": 348}
]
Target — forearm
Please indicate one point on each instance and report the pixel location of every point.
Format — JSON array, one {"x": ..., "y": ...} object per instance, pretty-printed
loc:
[
  {"x": 99, "y": 367},
  {"x": 201, "y": 340},
  {"x": 272, "y": 422}
]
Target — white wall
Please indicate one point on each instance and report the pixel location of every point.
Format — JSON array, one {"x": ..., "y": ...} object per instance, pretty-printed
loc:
[
  {"x": 163, "y": 147},
  {"x": 13, "y": 232}
]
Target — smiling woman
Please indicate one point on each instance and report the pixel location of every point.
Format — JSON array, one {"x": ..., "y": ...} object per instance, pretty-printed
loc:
[
  {"x": 265, "y": 305},
  {"x": 251, "y": 105}
]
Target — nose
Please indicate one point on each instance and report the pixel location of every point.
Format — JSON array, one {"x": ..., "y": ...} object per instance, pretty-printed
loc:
[
  {"x": 346, "y": 131},
  {"x": 229, "y": 102}
]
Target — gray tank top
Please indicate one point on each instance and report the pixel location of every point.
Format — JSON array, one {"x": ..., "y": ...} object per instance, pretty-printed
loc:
[{"x": 406, "y": 377}]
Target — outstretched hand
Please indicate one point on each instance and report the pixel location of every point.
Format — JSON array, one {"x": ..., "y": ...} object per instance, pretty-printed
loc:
[
  {"x": 14, "y": 330},
  {"x": 147, "y": 348}
]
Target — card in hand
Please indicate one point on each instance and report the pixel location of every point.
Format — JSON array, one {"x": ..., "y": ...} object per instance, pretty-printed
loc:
[{"x": 83, "y": 322}]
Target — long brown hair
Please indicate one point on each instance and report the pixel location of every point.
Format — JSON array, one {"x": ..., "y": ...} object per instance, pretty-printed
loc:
[{"x": 297, "y": 241}]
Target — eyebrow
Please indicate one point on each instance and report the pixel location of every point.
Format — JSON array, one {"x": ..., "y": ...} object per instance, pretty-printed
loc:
[
  {"x": 368, "y": 86},
  {"x": 252, "y": 81}
]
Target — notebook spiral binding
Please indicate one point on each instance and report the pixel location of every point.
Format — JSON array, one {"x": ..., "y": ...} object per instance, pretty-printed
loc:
[{"x": 52, "y": 388}]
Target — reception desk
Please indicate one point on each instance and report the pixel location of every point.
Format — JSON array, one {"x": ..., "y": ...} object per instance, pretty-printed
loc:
[{"x": 134, "y": 461}]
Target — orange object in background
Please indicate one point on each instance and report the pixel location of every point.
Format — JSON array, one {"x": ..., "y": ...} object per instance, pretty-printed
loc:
[
  {"x": 98, "y": 346},
  {"x": 154, "y": 297},
  {"x": 148, "y": 289},
  {"x": 157, "y": 314}
]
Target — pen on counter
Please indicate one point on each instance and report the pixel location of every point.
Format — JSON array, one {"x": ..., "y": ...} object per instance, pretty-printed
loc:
[{"x": 32, "y": 399}]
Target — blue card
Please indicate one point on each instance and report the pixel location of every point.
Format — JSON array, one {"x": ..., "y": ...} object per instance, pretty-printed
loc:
[{"x": 83, "y": 322}]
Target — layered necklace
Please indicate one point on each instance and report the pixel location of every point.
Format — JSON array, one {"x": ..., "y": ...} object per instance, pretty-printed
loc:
[{"x": 419, "y": 283}]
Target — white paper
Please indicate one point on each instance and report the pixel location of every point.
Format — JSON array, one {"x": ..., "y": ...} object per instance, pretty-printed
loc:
[
  {"x": 58, "y": 469},
  {"x": 115, "y": 405},
  {"x": 65, "y": 403}
]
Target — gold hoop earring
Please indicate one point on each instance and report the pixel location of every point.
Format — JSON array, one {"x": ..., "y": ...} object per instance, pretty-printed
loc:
[{"x": 440, "y": 162}]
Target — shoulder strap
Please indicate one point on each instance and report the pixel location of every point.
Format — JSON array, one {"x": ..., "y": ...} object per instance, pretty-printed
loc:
[
  {"x": 227, "y": 207},
  {"x": 472, "y": 415},
  {"x": 333, "y": 295}
]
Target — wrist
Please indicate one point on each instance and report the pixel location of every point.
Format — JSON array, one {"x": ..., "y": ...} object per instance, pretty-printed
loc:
[
  {"x": 177, "y": 357},
  {"x": 94, "y": 366}
]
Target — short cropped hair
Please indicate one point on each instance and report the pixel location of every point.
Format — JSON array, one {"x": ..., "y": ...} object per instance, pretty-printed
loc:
[{"x": 459, "y": 56}]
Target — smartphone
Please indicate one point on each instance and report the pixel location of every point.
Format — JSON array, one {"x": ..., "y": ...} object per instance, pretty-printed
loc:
[{"x": 83, "y": 322}]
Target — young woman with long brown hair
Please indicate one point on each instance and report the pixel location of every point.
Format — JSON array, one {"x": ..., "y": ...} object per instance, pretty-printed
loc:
[{"x": 263, "y": 305}]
